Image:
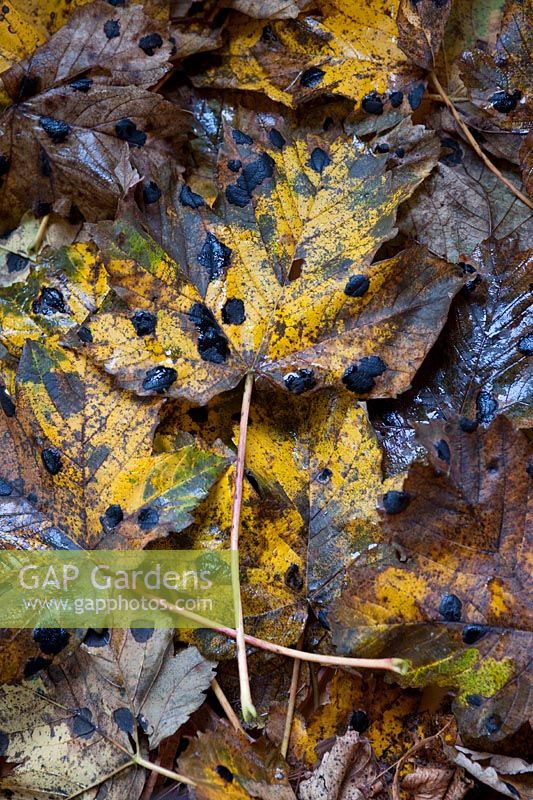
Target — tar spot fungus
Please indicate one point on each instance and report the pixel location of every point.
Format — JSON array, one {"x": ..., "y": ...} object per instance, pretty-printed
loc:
[
  {"x": 51, "y": 458},
  {"x": 6, "y": 402},
  {"x": 233, "y": 311},
  {"x": 311, "y": 77},
  {"x": 234, "y": 164},
  {"x": 144, "y": 323},
  {"x": 525, "y": 345},
  {"x": 5, "y": 488},
  {"x": 493, "y": 723},
  {"x": 474, "y": 700},
  {"x": 319, "y": 159},
  {"x": 49, "y": 302},
  {"x": 395, "y": 502},
  {"x": 415, "y": 95},
  {"x": 396, "y": 99},
  {"x": 253, "y": 175},
  {"x": 324, "y": 475},
  {"x": 190, "y": 198},
  {"x": 450, "y": 608},
  {"x": 148, "y": 518},
  {"x": 504, "y": 102},
  {"x": 16, "y": 263},
  {"x": 126, "y": 130},
  {"x": 81, "y": 85},
  {"x": 225, "y": 773},
  {"x": 212, "y": 344},
  {"x": 357, "y": 286},
  {"x": 276, "y": 139},
  {"x": 159, "y": 378},
  {"x": 35, "y": 665},
  {"x": 82, "y": 725},
  {"x": 214, "y": 256},
  {"x": 468, "y": 425},
  {"x": 372, "y": 103},
  {"x": 443, "y": 450},
  {"x": 56, "y": 129},
  {"x": 455, "y": 156},
  {"x": 360, "y": 377},
  {"x": 112, "y": 28},
  {"x": 293, "y": 579},
  {"x": 382, "y": 147},
  {"x": 358, "y": 721},
  {"x": 241, "y": 138},
  {"x": 151, "y": 192},
  {"x": 124, "y": 719},
  {"x": 112, "y": 516},
  {"x": 150, "y": 43},
  {"x": 99, "y": 638},
  {"x": 400, "y": 152},
  {"x": 84, "y": 334},
  {"x": 300, "y": 381},
  {"x": 4, "y": 743},
  {"x": 51, "y": 641},
  {"x": 142, "y": 635},
  {"x": 473, "y": 633},
  {"x": 486, "y": 407}
]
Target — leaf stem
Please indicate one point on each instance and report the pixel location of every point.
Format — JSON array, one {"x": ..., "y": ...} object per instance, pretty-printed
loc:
[
  {"x": 39, "y": 237},
  {"x": 175, "y": 776},
  {"x": 248, "y": 710},
  {"x": 224, "y": 702},
  {"x": 292, "y": 703},
  {"x": 488, "y": 163}
]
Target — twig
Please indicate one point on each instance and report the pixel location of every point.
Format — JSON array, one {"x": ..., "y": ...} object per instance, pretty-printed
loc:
[
  {"x": 248, "y": 710},
  {"x": 292, "y": 703},
  {"x": 39, "y": 237},
  {"x": 410, "y": 752},
  {"x": 488, "y": 163},
  {"x": 228, "y": 710}
]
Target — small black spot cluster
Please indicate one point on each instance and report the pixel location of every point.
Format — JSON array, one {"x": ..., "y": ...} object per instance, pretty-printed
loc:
[
  {"x": 151, "y": 192},
  {"x": 144, "y": 323},
  {"x": 443, "y": 450},
  {"x": 233, "y": 311},
  {"x": 225, "y": 773},
  {"x": 372, "y": 103},
  {"x": 50, "y": 301},
  {"x": 51, "y": 458},
  {"x": 16, "y": 263},
  {"x": 150, "y": 43},
  {"x": 253, "y": 175},
  {"x": 293, "y": 578},
  {"x": 276, "y": 139},
  {"x": 212, "y": 344},
  {"x": 396, "y": 99},
  {"x": 360, "y": 377},
  {"x": 51, "y": 641},
  {"x": 157, "y": 379},
  {"x": 112, "y": 516},
  {"x": 415, "y": 96},
  {"x": 473, "y": 633},
  {"x": 214, "y": 256},
  {"x": 450, "y": 608},
  {"x": 395, "y": 502},
  {"x": 56, "y": 129},
  {"x": 505, "y": 102},
  {"x": 311, "y": 77},
  {"x": 319, "y": 160},
  {"x": 127, "y": 131},
  {"x": 148, "y": 518},
  {"x": 357, "y": 286},
  {"x": 190, "y": 198},
  {"x": 300, "y": 381},
  {"x": 85, "y": 334},
  {"x": 112, "y": 28},
  {"x": 241, "y": 138},
  {"x": 124, "y": 719}
]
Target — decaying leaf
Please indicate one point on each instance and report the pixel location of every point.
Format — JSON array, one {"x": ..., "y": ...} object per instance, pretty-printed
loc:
[
  {"x": 436, "y": 783},
  {"x": 511, "y": 777},
  {"x": 231, "y": 301},
  {"x": 349, "y": 771},
  {"x": 79, "y": 728},
  {"x": 449, "y": 592},
  {"x": 223, "y": 762},
  {"x": 421, "y": 28}
]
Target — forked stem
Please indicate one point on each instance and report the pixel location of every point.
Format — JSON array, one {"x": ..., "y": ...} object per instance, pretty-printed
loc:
[
  {"x": 486, "y": 160},
  {"x": 248, "y": 709}
]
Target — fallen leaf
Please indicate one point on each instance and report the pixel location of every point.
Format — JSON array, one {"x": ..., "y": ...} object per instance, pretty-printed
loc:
[
  {"x": 230, "y": 304},
  {"x": 126, "y": 174},
  {"x": 421, "y": 28},
  {"x": 224, "y": 762},
  {"x": 347, "y": 772},
  {"x": 449, "y": 592},
  {"x": 436, "y": 783},
  {"x": 511, "y": 777}
]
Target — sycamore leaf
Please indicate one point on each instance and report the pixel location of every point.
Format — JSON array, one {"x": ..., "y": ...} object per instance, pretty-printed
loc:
[
  {"x": 57, "y": 295},
  {"x": 462, "y": 203},
  {"x": 70, "y": 118},
  {"x": 499, "y": 83},
  {"x": 449, "y": 592},
  {"x": 342, "y": 48},
  {"x": 481, "y": 364},
  {"x": 421, "y": 28},
  {"x": 222, "y": 762},
  {"x": 230, "y": 302},
  {"x": 91, "y": 445},
  {"x": 79, "y": 728},
  {"x": 347, "y": 772},
  {"x": 436, "y": 783}
]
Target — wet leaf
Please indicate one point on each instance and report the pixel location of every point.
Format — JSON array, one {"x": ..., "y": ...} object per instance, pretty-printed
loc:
[
  {"x": 224, "y": 761},
  {"x": 449, "y": 591},
  {"x": 76, "y": 729},
  {"x": 334, "y": 50},
  {"x": 231, "y": 300},
  {"x": 91, "y": 446},
  {"x": 421, "y": 28}
]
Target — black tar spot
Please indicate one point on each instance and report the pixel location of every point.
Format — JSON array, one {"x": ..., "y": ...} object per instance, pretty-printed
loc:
[
  {"x": 450, "y": 608},
  {"x": 233, "y": 311},
  {"x": 504, "y": 102},
  {"x": 124, "y": 719},
  {"x": 396, "y": 99},
  {"x": 486, "y": 407},
  {"x": 525, "y": 345},
  {"x": 493, "y": 723},
  {"x": 400, "y": 152},
  {"x": 372, "y": 103},
  {"x": 324, "y": 475},
  {"x": 360, "y": 377},
  {"x": 126, "y": 130},
  {"x": 311, "y": 77},
  {"x": 319, "y": 159},
  {"x": 224, "y": 773},
  {"x": 214, "y": 256},
  {"x": 112, "y": 517},
  {"x": 148, "y": 518},
  {"x": 415, "y": 95},
  {"x": 190, "y": 198},
  {"x": 144, "y": 323},
  {"x": 81, "y": 84},
  {"x": 300, "y": 381},
  {"x": 474, "y": 700},
  {"x": 85, "y": 335},
  {"x": 293, "y": 579},
  {"x": 112, "y": 28},
  {"x": 277, "y": 139},
  {"x": 358, "y": 721},
  {"x": 472, "y": 633},
  {"x": 82, "y": 725},
  {"x": 150, "y": 43},
  {"x": 142, "y": 635},
  {"x": 357, "y": 286},
  {"x": 241, "y": 138},
  {"x": 151, "y": 192},
  {"x": 234, "y": 164},
  {"x": 56, "y": 129},
  {"x": 253, "y": 175},
  {"x": 49, "y": 302},
  {"x": 382, "y": 147},
  {"x": 158, "y": 379},
  {"x": 35, "y": 665},
  {"x": 99, "y": 638},
  {"x": 51, "y": 641},
  {"x": 395, "y": 502},
  {"x": 16, "y": 263},
  {"x": 443, "y": 450},
  {"x": 212, "y": 344},
  {"x": 52, "y": 460}
]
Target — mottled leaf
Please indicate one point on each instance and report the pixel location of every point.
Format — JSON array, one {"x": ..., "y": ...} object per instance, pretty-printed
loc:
[{"x": 421, "y": 28}]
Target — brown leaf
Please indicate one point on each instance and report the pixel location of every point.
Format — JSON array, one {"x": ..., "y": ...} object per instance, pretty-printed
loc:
[
  {"x": 436, "y": 783},
  {"x": 421, "y": 28},
  {"x": 347, "y": 772}
]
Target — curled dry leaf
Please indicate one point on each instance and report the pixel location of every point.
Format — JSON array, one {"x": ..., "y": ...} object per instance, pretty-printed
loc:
[
  {"x": 436, "y": 783},
  {"x": 78, "y": 729},
  {"x": 347, "y": 772},
  {"x": 229, "y": 300},
  {"x": 511, "y": 777},
  {"x": 450, "y": 590}
]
